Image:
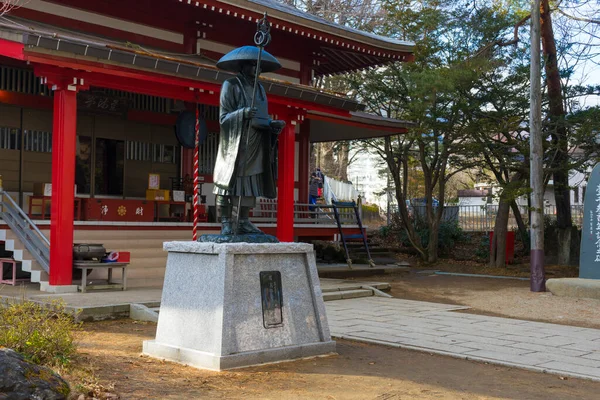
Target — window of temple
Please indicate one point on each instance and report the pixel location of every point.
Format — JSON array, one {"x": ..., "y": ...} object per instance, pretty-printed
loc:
[
  {"x": 164, "y": 153},
  {"x": 139, "y": 151},
  {"x": 38, "y": 141},
  {"x": 10, "y": 138}
]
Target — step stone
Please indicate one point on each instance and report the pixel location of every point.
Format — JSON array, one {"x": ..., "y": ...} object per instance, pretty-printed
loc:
[{"x": 347, "y": 294}]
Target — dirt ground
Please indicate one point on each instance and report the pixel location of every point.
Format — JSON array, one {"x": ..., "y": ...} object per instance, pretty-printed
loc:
[
  {"x": 360, "y": 371},
  {"x": 499, "y": 297}
]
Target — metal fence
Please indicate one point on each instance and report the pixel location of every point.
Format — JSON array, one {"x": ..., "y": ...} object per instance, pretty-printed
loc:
[{"x": 482, "y": 218}]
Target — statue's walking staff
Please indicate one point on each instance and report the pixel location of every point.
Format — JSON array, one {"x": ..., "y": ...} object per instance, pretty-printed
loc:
[{"x": 262, "y": 38}]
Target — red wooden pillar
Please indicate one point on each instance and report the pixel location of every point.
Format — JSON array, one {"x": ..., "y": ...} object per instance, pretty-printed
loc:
[
  {"x": 63, "y": 182},
  {"x": 303, "y": 162},
  {"x": 285, "y": 182}
]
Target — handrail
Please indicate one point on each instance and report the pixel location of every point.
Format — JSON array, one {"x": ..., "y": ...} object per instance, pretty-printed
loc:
[
  {"x": 26, "y": 230},
  {"x": 25, "y": 217}
]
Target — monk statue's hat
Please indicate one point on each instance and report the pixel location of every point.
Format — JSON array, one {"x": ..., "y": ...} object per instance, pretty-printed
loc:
[{"x": 234, "y": 60}]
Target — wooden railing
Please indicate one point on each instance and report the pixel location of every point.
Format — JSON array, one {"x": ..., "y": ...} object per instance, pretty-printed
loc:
[{"x": 314, "y": 214}]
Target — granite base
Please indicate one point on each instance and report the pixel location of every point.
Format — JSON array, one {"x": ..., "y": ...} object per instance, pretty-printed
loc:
[
  {"x": 204, "y": 360},
  {"x": 212, "y": 310}
]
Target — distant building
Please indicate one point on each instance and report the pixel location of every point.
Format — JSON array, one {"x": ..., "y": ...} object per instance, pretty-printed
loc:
[
  {"x": 363, "y": 172},
  {"x": 474, "y": 197}
]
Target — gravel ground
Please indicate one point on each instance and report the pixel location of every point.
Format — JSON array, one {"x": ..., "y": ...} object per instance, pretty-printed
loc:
[
  {"x": 499, "y": 297},
  {"x": 359, "y": 372}
]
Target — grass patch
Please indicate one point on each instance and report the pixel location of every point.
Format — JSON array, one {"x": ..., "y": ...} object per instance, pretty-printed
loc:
[
  {"x": 45, "y": 334},
  {"x": 42, "y": 333}
]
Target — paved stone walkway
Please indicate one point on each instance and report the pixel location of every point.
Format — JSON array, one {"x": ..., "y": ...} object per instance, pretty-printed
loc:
[{"x": 443, "y": 329}]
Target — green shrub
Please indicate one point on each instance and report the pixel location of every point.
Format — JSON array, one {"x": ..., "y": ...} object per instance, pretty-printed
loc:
[
  {"x": 449, "y": 234},
  {"x": 42, "y": 333},
  {"x": 384, "y": 231},
  {"x": 483, "y": 249}
]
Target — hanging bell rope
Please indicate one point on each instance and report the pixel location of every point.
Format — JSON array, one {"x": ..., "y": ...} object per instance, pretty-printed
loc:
[{"x": 196, "y": 175}]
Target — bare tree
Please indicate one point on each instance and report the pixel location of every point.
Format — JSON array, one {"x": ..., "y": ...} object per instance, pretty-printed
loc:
[{"x": 7, "y": 6}]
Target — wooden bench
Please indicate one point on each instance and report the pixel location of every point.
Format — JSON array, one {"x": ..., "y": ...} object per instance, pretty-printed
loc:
[
  {"x": 13, "y": 281},
  {"x": 87, "y": 266}
]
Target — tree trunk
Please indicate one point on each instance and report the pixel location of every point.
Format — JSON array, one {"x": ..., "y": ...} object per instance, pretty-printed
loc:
[
  {"x": 521, "y": 224},
  {"x": 327, "y": 159},
  {"x": 432, "y": 247},
  {"x": 343, "y": 161},
  {"x": 397, "y": 166},
  {"x": 558, "y": 130},
  {"x": 498, "y": 247}
]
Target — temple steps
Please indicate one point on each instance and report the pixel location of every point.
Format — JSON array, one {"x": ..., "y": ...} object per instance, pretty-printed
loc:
[{"x": 19, "y": 253}]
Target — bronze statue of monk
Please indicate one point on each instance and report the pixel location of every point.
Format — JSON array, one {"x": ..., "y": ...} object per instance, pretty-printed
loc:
[{"x": 246, "y": 157}]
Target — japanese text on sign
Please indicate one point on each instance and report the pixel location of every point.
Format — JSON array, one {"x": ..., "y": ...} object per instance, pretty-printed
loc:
[{"x": 597, "y": 259}]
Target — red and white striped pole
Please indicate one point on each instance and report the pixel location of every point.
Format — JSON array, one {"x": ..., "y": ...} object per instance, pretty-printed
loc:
[{"x": 196, "y": 160}]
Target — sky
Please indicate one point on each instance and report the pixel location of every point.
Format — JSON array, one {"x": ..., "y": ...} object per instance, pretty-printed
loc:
[{"x": 587, "y": 72}]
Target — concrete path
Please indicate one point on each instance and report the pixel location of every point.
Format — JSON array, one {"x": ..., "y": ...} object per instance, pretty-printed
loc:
[{"x": 443, "y": 329}]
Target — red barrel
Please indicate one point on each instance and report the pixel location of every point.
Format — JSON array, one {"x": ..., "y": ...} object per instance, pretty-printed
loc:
[{"x": 510, "y": 245}]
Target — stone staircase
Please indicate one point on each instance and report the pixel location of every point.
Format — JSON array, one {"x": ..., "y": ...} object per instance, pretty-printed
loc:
[
  {"x": 334, "y": 289},
  {"x": 28, "y": 262},
  {"x": 380, "y": 255}
]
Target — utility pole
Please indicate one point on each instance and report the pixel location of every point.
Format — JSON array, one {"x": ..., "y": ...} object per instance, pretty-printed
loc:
[{"x": 537, "y": 281}]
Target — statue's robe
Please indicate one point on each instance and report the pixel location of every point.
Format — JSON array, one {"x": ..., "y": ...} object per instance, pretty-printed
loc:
[{"x": 240, "y": 169}]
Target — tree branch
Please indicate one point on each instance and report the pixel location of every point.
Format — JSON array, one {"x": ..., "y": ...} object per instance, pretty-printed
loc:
[
  {"x": 502, "y": 43},
  {"x": 588, "y": 20}
]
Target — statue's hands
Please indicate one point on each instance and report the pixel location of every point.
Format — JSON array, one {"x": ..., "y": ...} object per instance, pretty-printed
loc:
[
  {"x": 250, "y": 113},
  {"x": 277, "y": 126}
]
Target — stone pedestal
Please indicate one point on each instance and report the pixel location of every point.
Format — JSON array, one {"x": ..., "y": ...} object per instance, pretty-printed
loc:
[{"x": 239, "y": 304}]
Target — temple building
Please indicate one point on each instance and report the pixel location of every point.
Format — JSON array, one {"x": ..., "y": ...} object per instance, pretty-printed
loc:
[{"x": 90, "y": 92}]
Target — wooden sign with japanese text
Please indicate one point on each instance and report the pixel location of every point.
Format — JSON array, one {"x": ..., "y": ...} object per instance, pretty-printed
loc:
[{"x": 102, "y": 103}]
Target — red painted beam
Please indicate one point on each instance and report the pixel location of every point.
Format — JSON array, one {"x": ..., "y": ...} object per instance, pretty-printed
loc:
[
  {"x": 11, "y": 49},
  {"x": 107, "y": 76},
  {"x": 63, "y": 182},
  {"x": 26, "y": 100},
  {"x": 131, "y": 80}
]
